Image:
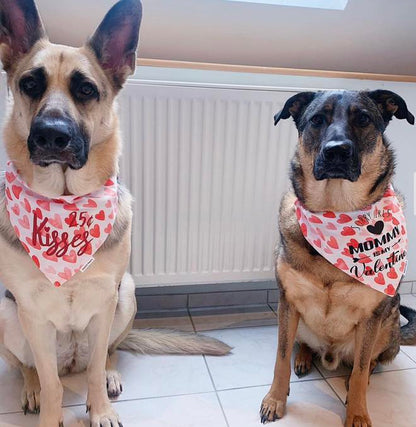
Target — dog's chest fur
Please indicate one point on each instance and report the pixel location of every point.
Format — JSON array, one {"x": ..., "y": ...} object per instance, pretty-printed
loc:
[{"x": 71, "y": 307}]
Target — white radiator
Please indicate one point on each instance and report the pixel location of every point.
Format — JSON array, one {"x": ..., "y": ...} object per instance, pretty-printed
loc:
[{"x": 207, "y": 169}]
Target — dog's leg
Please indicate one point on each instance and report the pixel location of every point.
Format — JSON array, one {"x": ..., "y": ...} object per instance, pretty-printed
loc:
[
  {"x": 303, "y": 360},
  {"x": 365, "y": 337},
  {"x": 274, "y": 403},
  {"x": 42, "y": 340},
  {"x": 101, "y": 411}
]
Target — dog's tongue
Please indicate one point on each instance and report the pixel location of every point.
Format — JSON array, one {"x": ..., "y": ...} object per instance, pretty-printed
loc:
[
  {"x": 60, "y": 235},
  {"x": 368, "y": 245}
]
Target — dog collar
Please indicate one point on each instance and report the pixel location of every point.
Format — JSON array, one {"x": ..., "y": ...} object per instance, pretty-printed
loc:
[
  {"x": 60, "y": 235},
  {"x": 369, "y": 245}
]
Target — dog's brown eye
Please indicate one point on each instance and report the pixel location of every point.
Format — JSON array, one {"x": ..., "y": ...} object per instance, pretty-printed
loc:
[
  {"x": 86, "y": 90},
  {"x": 363, "y": 120},
  {"x": 318, "y": 120}
]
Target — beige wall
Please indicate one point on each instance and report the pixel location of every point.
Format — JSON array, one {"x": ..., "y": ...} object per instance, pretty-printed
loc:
[{"x": 376, "y": 36}]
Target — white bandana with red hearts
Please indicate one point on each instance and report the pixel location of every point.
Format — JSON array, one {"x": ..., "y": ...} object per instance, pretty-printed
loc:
[
  {"x": 60, "y": 235},
  {"x": 369, "y": 245}
]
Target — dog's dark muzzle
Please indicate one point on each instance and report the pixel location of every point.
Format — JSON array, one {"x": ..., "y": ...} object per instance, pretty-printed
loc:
[
  {"x": 57, "y": 140},
  {"x": 337, "y": 160}
]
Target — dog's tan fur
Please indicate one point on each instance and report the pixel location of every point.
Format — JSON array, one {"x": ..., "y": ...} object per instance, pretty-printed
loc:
[
  {"x": 328, "y": 312},
  {"x": 46, "y": 331}
]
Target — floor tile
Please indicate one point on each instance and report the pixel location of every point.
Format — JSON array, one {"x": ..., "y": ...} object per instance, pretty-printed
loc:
[
  {"x": 232, "y": 317},
  {"x": 142, "y": 377},
  {"x": 391, "y": 398},
  {"x": 182, "y": 323},
  {"x": 311, "y": 403},
  {"x": 202, "y": 410},
  {"x": 251, "y": 362}
]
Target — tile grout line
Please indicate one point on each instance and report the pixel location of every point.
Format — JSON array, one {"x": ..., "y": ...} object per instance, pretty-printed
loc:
[
  {"x": 210, "y": 376},
  {"x": 329, "y": 384}
]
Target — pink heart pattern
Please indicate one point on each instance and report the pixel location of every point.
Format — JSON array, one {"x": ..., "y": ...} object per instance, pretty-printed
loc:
[
  {"x": 377, "y": 254},
  {"x": 60, "y": 235}
]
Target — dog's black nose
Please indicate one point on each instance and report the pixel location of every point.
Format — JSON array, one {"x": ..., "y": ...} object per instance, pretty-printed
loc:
[
  {"x": 338, "y": 151},
  {"x": 51, "y": 134}
]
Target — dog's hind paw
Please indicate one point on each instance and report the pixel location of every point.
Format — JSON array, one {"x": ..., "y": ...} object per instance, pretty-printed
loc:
[
  {"x": 271, "y": 409},
  {"x": 114, "y": 386},
  {"x": 30, "y": 398}
]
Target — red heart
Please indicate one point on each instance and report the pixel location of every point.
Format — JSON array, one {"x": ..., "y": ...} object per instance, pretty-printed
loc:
[
  {"x": 319, "y": 232},
  {"x": 304, "y": 229},
  {"x": 402, "y": 266},
  {"x": 36, "y": 261},
  {"x": 395, "y": 221},
  {"x": 314, "y": 219},
  {"x": 346, "y": 252},
  {"x": 56, "y": 221},
  {"x": 66, "y": 274},
  {"x": 26, "y": 247},
  {"x": 317, "y": 243},
  {"x": 328, "y": 251},
  {"x": 109, "y": 183},
  {"x": 331, "y": 226},
  {"x": 9, "y": 196},
  {"x": 38, "y": 213},
  {"x": 341, "y": 264},
  {"x": 348, "y": 231},
  {"x": 298, "y": 213},
  {"x": 88, "y": 249},
  {"x": 90, "y": 204},
  {"x": 353, "y": 243},
  {"x": 403, "y": 230},
  {"x": 70, "y": 207},
  {"x": 57, "y": 285},
  {"x": 53, "y": 258},
  {"x": 343, "y": 218},
  {"x": 392, "y": 274},
  {"x": 44, "y": 204},
  {"x": 329, "y": 214},
  {"x": 108, "y": 204},
  {"x": 72, "y": 257},
  {"x": 379, "y": 279},
  {"x": 30, "y": 241},
  {"x": 17, "y": 231},
  {"x": 332, "y": 242},
  {"x": 16, "y": 210},
  {"x": 10, "y": 176},
  {"x": 111, "y": 216},
  {"x": 362, "y": 220},
  {"x": 390, "y": 290},
  {"x": 27, "y": 206},
  {"x": 363, "y": 259},
  {"x": 17, "y": 190},
  {"x": 49, "y": 269},
  {"x": 95, "y": 231},
  {"x": 108, "y": 229},
  {"x": 100, "y": 216},
  {"x": 24, "y": 222}
]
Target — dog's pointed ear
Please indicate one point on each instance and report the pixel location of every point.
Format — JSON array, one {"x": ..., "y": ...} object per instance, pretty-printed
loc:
[
  {"x": 390, "y": 104},
  {"x": 116, "y": 38},
  {"x": 295, "y": 106},
  {"x": 20, "y": 28}
]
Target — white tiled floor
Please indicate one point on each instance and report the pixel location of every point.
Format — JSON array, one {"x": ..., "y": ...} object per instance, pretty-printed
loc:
[{"x": 196, "y": 391}]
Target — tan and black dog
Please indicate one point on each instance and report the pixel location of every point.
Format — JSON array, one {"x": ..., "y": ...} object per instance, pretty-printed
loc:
[
  {"x": 62, "y": 135},
  {"x": 343, "y": 163}
]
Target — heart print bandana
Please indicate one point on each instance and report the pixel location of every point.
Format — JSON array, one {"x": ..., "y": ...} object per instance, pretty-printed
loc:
[
  {"x": 60, "y": 235},
  {"x": 369, "y": 245}
]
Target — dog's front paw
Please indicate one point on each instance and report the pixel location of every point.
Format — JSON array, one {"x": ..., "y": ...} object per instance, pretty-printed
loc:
[
  {"x": 105, "y": 417},
  {"x": 114, "y": 386},
  {"x": 362, "y": 420},
  {"x": 271, "y": 409}
]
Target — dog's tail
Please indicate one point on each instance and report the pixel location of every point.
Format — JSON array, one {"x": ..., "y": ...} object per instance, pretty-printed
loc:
[
  {"x": 165, "y": 341},
  {"x": 408, "y": 331}
]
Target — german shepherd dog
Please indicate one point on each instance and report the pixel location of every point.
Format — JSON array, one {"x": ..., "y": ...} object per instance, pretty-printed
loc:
[
  {"x": 342, "y": 163},
  {"x": 62, "y": 135}
]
